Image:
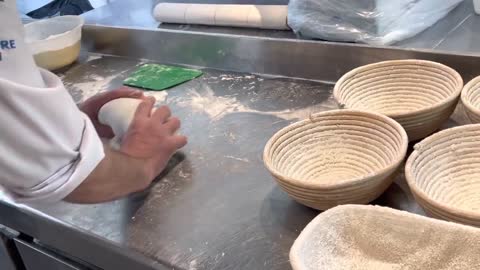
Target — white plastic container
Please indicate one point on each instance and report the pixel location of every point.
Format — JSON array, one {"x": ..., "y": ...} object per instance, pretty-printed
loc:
[{"x": 55, "y": 42}]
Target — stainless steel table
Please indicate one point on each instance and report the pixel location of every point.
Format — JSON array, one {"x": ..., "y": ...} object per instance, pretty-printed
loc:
[{"x": 216, "y": 206}]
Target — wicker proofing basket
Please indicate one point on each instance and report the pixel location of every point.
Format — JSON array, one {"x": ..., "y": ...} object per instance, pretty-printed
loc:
[
  {"x": 471, "y": 99},
  {"x": 373, "y": 237},
  {"x": 419, "y": 94},
  {"x": 336, "y": 157},
  {"x": 444, "y": 174}
]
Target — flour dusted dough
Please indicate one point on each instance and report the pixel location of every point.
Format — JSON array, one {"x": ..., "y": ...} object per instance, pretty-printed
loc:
[
  {"x": 171, "y": 13},
  {"x": 256, "y": 16},
  {"x": 118, "y": 114},
  {"x": 200, "y": 14}
]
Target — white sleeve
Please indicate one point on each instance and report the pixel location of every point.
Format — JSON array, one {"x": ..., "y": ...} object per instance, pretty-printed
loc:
[{"x": 47, "y": 145}]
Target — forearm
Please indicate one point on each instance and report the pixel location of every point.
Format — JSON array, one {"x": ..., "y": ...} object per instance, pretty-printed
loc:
[{"x": 117, "y": 175}]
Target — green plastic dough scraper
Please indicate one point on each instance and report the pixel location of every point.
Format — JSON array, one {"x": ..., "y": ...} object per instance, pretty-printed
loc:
[{"x": 160, "y": 77}]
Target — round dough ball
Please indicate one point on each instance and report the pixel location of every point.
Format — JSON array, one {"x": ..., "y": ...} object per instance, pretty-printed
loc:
[{"x": 118, "y": 114}]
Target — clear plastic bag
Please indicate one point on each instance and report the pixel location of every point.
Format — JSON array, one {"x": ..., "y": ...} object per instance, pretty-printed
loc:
[{"x": 376, "y": 22}]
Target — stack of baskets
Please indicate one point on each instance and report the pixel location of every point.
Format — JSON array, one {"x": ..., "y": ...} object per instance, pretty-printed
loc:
[
  {"x": 351, "y": 155},
  {"x": 444, "y": 170},
  {"x": 420, "y": 95}
]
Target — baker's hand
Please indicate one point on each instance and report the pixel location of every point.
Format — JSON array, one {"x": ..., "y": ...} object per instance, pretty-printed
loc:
[
  {"x": 152, "y": 137},
  {"x": 92, "y": 105}
]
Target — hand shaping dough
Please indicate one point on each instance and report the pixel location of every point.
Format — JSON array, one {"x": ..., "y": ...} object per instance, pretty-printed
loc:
[{"x": 118, "y": 114}]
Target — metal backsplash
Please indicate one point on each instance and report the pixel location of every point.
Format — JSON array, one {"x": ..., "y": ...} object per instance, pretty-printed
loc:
[{"x": 316, "y": 60}]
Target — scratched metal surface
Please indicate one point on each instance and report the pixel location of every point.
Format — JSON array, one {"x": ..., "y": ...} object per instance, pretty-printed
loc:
[{"x": 216, "y": 206}]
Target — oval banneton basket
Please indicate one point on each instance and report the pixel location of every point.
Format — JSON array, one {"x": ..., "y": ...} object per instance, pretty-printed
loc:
[
  {"x": 336, "y": 157},
  {"x": 444, "y": 174},
  {"x": 372, "y": 237},
  {"x": 419, "y": 94},
  {"x": 471, "y": 100}
]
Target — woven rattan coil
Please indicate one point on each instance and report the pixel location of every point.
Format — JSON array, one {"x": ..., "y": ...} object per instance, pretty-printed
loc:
[
  {"x": 471, "y": 99},
  {"x": 336, "y": 157},
  {"x": 444, "y": 174}
]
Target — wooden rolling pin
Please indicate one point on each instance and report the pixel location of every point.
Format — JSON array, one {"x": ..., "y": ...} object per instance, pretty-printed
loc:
[{"x": 253, "y": 16}]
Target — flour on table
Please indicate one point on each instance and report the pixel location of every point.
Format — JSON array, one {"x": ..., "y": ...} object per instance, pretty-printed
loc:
[
  {"x": 93, "y": 85},
  {"x": 92, "y": 57},
  {"x": 160, "y": 96},
  {"x": 217, "y": 107}
]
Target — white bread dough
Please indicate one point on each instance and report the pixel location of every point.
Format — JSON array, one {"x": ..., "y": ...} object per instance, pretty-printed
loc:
[
  {"x": 256, "y": 16},
  {"x": 118, "y": 114}
]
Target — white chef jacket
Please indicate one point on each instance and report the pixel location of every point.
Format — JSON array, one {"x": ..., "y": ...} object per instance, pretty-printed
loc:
[{"x": 47, "y": 145}]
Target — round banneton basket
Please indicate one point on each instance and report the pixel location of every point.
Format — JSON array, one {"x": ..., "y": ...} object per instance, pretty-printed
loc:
[
  {"x": 444, "y": 174},
  {"x": 471, "y": 99},
  {"x": 336, "y": 157},
  {"x": 419, "y": 94}
]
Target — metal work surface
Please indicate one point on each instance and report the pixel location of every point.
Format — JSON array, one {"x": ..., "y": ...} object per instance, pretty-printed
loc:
[{"x": 216, "y": 206}]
